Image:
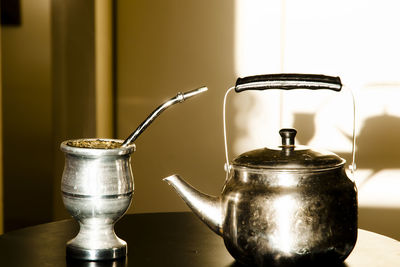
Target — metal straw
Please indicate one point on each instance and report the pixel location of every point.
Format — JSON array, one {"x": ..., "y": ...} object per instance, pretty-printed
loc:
[{"x": 179, "y": 98}]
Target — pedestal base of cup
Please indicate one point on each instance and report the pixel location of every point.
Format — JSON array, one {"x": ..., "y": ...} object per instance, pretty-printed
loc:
[
  {"x": 96, "y": 254},
  {"x": 96, "y": 242}
]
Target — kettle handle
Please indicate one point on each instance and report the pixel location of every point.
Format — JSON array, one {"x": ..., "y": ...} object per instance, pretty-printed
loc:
[{"x": 288, "y": 81}]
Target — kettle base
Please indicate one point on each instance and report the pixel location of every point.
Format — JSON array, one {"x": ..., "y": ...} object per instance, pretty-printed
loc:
[{"x": 315, "y": 259}]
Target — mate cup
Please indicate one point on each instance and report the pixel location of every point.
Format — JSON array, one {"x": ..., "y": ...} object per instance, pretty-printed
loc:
[{"x": 97, "y": 187}]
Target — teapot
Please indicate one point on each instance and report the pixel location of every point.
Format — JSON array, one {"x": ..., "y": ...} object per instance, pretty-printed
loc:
[{"x": 286, "y": 205}]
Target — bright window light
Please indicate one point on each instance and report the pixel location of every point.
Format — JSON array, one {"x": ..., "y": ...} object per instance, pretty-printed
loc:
[{"x": 356, "y": 40}]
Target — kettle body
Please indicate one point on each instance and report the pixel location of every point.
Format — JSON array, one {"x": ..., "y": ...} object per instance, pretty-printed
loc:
[{"x": 289, "y": 217}]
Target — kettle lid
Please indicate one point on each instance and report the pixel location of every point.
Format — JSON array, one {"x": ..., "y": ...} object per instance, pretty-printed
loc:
[{"x": 288, "y": 156}]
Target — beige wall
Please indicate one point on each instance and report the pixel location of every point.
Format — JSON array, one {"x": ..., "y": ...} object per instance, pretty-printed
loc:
[
  {"x": 27, "y": 132},
  {"x": 57, "y": 85},
  {"x": 164, "y": 47},
  {"x": 104, "y": 68}
]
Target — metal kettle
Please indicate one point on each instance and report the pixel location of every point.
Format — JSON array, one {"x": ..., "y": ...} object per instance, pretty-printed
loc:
[{"x": 286, "y": 205}]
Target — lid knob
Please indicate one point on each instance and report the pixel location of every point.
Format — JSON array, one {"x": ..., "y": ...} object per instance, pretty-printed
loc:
[{"x": 288, "y": 135}]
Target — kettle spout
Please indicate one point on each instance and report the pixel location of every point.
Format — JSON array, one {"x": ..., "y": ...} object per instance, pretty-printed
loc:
[{"x": 207, "y": 208}]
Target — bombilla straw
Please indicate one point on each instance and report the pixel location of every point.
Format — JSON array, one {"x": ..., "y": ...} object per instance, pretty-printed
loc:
[{"x": 179, "y": 98}]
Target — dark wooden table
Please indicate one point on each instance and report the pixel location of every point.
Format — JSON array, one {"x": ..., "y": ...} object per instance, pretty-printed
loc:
[{"x": 161, "y": 239}]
